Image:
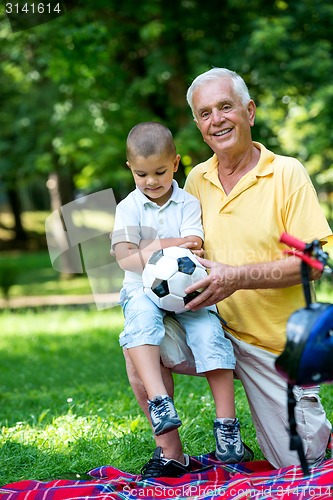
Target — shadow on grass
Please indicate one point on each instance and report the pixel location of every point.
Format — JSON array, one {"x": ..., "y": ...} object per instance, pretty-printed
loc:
[{"x": 21, "y": 461}]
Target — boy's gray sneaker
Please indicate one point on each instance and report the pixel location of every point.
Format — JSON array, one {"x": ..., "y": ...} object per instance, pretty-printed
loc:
[
  {"x": 163, "y": 414},
  {"x": 230, "y": 448}
]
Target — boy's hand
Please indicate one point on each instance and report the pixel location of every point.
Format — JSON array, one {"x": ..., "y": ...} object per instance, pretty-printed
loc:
[
  {"x": 199, "y": 253},
  {"x": 192, "y": 245}
]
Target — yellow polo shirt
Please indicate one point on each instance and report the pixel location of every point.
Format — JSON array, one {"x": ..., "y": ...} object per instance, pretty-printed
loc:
[{"x": 244, "y": 227}]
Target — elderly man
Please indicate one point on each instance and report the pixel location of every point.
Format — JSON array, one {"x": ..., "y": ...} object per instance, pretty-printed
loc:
[{"x": 249, "y": 196}]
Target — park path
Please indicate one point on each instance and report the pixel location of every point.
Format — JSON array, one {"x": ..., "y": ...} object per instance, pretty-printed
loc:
[{"x": 55, "y": 300}]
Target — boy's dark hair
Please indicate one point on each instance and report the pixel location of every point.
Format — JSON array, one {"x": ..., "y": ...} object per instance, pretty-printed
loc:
[{"x": 149, "y": 138}]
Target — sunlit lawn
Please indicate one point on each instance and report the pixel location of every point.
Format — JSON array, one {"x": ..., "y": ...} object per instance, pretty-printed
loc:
[
  {"x": 66, "y": 406},
  {"x": 65, "y": 401}
]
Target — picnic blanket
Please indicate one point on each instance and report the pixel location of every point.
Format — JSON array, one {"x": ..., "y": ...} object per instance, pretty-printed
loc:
[{"x": 252, "y": 480}]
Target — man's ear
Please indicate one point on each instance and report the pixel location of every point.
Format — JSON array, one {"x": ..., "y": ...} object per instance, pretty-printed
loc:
[{"x": 251, "y": 109}]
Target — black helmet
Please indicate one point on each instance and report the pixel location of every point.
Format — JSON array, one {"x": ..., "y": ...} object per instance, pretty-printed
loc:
[{"x": 308, "y": 355}]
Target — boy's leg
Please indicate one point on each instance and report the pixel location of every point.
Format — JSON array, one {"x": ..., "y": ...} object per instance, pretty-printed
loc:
[
  {"x": 143, "y": 333},
  {"x": 206, "y": 339},
  {"x": 163, "y": 414},
  {"x": 146, "y": 361},
  {"x": 229, "y": 445},
  {"x": 170, "y": 442},
  {"x": 221, "y": 383},
  {"x": 267, "y": 395}
]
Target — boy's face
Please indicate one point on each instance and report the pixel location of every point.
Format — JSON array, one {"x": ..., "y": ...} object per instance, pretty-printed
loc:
[{"x": 154, "y": 175}]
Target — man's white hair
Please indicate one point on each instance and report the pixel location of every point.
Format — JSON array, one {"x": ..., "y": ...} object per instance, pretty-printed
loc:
[{"x": 213, "y": 74}]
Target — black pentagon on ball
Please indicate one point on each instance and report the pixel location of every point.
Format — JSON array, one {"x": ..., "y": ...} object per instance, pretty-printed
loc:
[
  {"x": 155, "y": 257},
  {"x": 186, "y": 265},
  {"x": 190, "y": 296},
  {"x": 160, "y": 288}
]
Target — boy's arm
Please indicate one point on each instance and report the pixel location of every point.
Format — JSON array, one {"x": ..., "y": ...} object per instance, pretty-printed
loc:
[
  {"x": 147, "y": 247},
  {"x": 128, "y": 257},
  {"x": 131, "y": 257}
]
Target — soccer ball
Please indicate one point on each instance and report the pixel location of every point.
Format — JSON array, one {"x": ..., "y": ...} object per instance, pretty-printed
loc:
[{"x": 168, "y": 273}]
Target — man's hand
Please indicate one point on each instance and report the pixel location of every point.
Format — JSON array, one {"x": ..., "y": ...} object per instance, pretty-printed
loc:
[
  {"x": 224, "y": 279},
  {"x": 219, "y": 284}
]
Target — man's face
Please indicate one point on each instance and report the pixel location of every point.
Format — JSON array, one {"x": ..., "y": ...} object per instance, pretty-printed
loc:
[{"x": 223, "y": 120}]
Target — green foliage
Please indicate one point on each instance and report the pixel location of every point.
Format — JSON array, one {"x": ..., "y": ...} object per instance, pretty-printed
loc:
[{"x": 73, "y": 87}]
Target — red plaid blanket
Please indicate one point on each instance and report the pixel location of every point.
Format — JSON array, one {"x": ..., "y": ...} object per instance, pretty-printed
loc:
[{"x": 252, "y": 480}]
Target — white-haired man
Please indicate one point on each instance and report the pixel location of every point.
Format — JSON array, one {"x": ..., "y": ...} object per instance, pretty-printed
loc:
[{"x": 249, "y": 197}]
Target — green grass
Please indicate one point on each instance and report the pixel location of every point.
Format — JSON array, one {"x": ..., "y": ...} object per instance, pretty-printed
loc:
[
  {"x": 34, "y": 275},
  {"x": 66, "y": 405}
]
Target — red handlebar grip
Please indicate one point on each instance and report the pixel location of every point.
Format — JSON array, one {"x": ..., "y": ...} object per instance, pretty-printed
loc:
[
  {"x": 293, "y": 242},
  {"x": 316, "y": 264}
]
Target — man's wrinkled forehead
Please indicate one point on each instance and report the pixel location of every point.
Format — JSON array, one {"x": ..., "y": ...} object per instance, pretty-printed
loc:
[{"x": 213, "y": 93}]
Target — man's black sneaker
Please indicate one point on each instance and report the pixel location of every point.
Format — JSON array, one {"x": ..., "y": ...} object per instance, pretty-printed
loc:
[
  {"x": 230, "y": 448},
  {"x": 163, "y": 415},
  {"x": 158, "y": 466}
]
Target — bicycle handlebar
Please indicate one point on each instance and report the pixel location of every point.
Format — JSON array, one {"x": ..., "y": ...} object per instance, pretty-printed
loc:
[
  {"x": 291, "y": 241},
  {"x": 311, "y": 253}
]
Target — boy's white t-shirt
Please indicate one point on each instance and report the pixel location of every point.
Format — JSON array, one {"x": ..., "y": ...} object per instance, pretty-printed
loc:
[{"x": 138, "y": 218}]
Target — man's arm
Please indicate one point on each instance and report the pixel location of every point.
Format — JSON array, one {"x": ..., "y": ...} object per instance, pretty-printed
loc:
[{"x": 224, "y": 280}]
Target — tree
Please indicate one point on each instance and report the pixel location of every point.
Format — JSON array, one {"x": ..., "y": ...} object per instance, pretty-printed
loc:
[{"x": 76, "y": 85}]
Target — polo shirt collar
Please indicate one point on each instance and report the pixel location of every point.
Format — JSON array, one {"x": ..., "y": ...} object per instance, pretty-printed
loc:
[
  {"x": 264, "y": 166},
  {"x": 176, "y": 195}
]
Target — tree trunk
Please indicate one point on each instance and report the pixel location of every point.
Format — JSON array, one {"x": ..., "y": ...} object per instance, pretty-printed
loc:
[
  {"x": 68, "y": 261},
  {"x": 15, "y": 206}
]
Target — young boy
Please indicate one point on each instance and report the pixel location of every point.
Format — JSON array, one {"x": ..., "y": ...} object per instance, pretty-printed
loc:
[{"x": 158, "y": 214}]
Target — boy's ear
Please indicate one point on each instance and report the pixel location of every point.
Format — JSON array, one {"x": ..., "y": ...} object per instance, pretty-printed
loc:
[
  {"x": 128, "y": 164},
  {"x": 176, "y": 163}
]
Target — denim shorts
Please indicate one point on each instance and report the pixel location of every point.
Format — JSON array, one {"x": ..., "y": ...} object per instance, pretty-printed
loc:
[{"x": 144, "y": 324}]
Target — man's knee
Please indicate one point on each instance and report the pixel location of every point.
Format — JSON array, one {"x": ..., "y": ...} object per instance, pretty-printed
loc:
[{"x": 312, "y": 424}]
